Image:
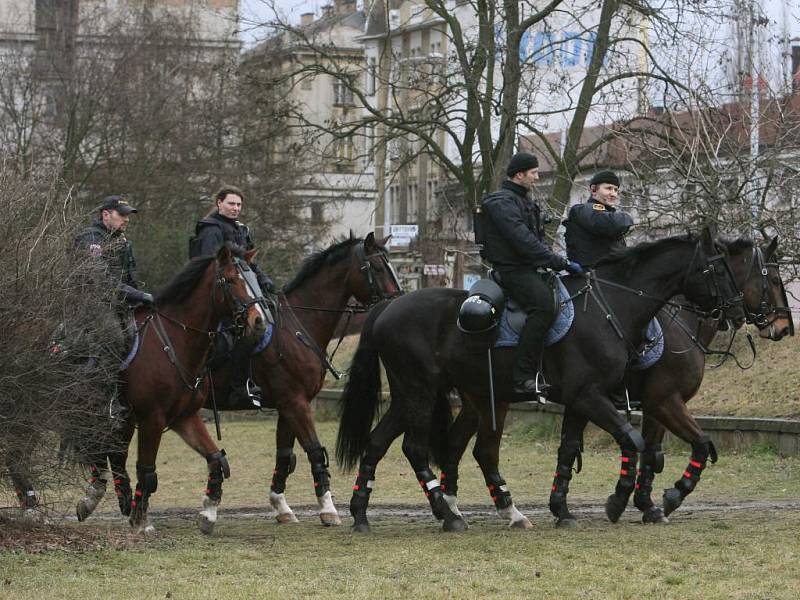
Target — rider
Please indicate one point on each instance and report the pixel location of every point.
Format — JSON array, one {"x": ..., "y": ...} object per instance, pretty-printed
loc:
[
  {"x": 513, "y": 243},
  {"x": 219, "y": 226},
  {"x": 105, "y": 240},
  {"x": 595, "y": 228}
]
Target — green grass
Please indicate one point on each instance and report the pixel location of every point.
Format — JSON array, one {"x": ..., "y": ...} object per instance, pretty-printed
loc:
[{"x": 738, "y": 554}]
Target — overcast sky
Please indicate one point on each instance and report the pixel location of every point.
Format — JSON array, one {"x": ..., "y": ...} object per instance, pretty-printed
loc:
[{"x": 254, "y": 12}]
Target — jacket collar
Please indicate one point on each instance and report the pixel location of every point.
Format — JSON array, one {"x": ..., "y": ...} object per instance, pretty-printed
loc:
[
  {"x": 514, "y": 187},
  {"x": 98, "y": 223},
  {"x": 596, "y": 201}
]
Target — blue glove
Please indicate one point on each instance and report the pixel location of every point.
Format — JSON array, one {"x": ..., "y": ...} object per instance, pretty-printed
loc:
[{"x": 574, "y": 268}]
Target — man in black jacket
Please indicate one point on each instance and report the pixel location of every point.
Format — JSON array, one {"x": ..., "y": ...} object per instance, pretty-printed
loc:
[
  {"x": 211, "y": 232},
  {"x": 513, "y": 243},
  {"x": 595, "y": 228}
]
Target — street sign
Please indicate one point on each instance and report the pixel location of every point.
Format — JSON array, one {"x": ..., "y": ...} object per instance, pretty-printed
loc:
[{"x": 433, "y": 270}]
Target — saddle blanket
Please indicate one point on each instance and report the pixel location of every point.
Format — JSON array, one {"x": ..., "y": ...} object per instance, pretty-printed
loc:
[{"x": 513, "y": 319}]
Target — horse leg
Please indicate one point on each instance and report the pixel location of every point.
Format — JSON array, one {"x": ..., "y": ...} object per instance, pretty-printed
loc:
[
  {"x": 194, "y": 433},
  {"x": 380, "y": 438},
  {"x": 148, "y": 440},
  {"x": 416, "y": 450},
  {"x": 677, "y": 419},
  {"x": 95, "y": 487},
  {"x": 118, "y": 459},
  {"x": 460, "y": 433},
  {"x": 487, "y": 454},
  {"x": 20, "y": 475},
  {"x": 285, "y": 463},
  {"x": 569, "y": 452},
  {"x": 651, "y": 462},
  {"x": 618, "y": 501}
]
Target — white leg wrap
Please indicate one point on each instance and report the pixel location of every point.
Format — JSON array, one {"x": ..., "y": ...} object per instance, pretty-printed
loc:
[
  {"x": 452, "y": 502},
  {"x": 278, "y": 502},
  {"x": 514, "y": 517},
  {"x": 209, "y": 512},
  {"x": 326, "y": 503}
]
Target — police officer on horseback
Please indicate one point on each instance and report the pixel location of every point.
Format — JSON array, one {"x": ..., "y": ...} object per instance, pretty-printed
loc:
[
  {"x": 596, "y": 227},
  {"x": 513, "y": 237},
  {"x": 221, "y": 225}
]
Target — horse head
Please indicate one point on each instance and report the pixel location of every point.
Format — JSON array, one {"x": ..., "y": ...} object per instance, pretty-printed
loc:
[
  {"x": 239, "y": 297},
  {"x": 373, "y": 275},
  {"x": 755, "y": 268}
]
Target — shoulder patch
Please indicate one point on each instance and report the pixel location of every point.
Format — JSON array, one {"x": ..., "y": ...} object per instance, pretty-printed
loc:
[
  {"x": 95, "y": 250},
  {"x": 598, "y": 206}
]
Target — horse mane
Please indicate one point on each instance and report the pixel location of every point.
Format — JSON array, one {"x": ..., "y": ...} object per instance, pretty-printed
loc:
[
  {"x": 630, "y": 258},
  {"x": 737, "y": 246},
  {"x": 182, "y": 284},
  {"x": 314, "y": 263}
]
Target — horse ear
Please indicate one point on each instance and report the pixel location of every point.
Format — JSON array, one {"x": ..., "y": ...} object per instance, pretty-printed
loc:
[
  {"x": 707, "y": 237},
  {"x": 250, "y": 255},
  {"x": 224, "y": 254},
  {"x": 369, "y": 241},
  {"x": 770, "y": 251},
  {"x": 382, "y": 243}
]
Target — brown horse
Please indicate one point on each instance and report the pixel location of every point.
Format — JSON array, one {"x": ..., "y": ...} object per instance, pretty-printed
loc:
[
  {"x": 663, "y": 389},
  {"x": 290, "y": 371},
  {"x": 161, "y": 383}
]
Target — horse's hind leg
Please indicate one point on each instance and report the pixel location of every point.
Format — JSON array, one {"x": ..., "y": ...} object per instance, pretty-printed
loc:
[
  {"x": 194, "y": 433},
  {"x": 285, "y": 463},
  {"x": 651, "y": 462},
  {"x": 95, "y": 487},
  {"x": 19, "y": 471},
  {"x": 487, "y": 453},
  {"x": 460, "y": 433},
  {"x": 569, "y": 452},
  {"x": 118, "y": 459},
  {"x": 380, "y": 438}
]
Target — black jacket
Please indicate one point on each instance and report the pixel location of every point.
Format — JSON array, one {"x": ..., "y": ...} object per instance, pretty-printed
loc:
[
  {"x": 593, "y": 230},
  {"x": 114, "y": 249},
  {"x": 213, "y": 231},
  {"x": 513, "y": 231}
]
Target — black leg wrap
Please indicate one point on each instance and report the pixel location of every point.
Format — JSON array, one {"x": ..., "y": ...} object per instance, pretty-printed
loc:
[
  {"x": 629, "y": 439},
  {"x": 652, "y": 462},
  {"x": 146, "y": 485},
  {"x": 285, "y": 463},
  {"x": 616, "y": 503},
  {"x": 361, "y": 492},
  {"x": 96, "y": 473},
  {"x": 498, "y": 491},
  {"x": 26, "y": 497},
  {"x": 688, "y": 481},
  {"x": 122, "y": 488},
  {"x": 568, "y": 454},
  {"x": 433, "y": 491},
  {"x": 449, "y": 479},
  {"x": 218, "y": 471},
  {"x": 318, "y": 457}
]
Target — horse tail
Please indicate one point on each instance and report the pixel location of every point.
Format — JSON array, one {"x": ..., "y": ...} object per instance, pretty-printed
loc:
[
  {"x": 361, "y": 398},
  {"x": 442, "y": 419}
]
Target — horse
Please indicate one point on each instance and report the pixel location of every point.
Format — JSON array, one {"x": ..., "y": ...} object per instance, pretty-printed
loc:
[
  {"x": 663, "y": 391},
  {"x": 425, "y": 356},
  {"x": 291, "y": 369},
  {"x": 161, "y": 382}
]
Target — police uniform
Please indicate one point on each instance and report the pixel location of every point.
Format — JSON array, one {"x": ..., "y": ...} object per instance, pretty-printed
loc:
[
  {"x": 513, "y": 231},
  {"x": 593, "y": 230},
  {"x": 211, "y": 233}
]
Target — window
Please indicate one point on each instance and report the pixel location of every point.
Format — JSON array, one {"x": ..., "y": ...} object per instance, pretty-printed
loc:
[{"x": 342, "y": 92}]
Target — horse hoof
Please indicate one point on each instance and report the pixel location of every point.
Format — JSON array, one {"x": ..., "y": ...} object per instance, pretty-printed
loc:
[
  {"x": 654, "y": 515},
  {"x": 523, "y": 523},
  {"x": 330, "y": 519},
  {"x": 284, "y": 518},
  {"x": 84, "y": 509},
  {"x": 672, "y": 500},
  {"x": 361, "y": 528},
  {"x": 455, "y": 525},
  {"x": 205, "y": 524},
  {"x": 567, "y": 523},
  {"x": 614, "y": 508}
]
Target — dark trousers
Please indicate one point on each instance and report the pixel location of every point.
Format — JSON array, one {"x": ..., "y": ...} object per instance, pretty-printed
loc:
[{"x": 532, "y": 292}]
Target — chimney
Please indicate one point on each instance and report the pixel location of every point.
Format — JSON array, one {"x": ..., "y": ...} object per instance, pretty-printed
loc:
[
  {"x": 306, "y": 18},
  {"x": 342, "y": 7},
  {"x": 327, "y": 11}
]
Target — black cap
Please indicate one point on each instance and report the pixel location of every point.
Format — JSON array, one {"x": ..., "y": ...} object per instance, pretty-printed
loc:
[
  {"x": 605, "y": 177},
  {"x": 521, "y": 161},
  {"x": 117, "y": 203}
]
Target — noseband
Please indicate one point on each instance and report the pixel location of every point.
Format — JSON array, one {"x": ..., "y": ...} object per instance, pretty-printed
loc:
[
  {"x": 368, "y": 269},
  {"x": 767, "y": 304}
]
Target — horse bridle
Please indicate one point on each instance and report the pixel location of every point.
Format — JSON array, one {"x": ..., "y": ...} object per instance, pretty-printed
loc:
[
  {"x": 767, "y": 304},
  {"x": 717, "y": 270},
  {"x": 368, "y": 269}
]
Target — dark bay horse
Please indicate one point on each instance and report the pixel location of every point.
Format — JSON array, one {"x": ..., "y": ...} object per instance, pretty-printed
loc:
[
  {"x": 663, "y": 390},
  {"x": 426, "y": 356},
  {"x": 291, "y": 370},
  {"x": 162, "y": 381}
]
